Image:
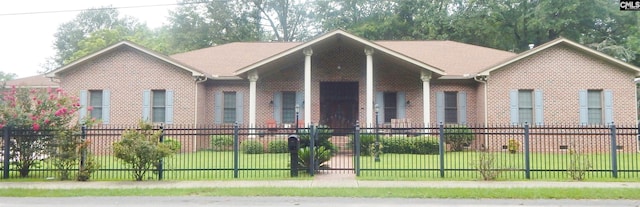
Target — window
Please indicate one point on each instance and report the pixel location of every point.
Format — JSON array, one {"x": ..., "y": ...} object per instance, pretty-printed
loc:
[
  {"x": 288, "y": 107},
  {"x": 390, "y": 106},
  {"x": 95, "y": 102},
  {"x": 451, "y": 107},
  {"x": 594, "y": 106},
  {"x": 159, "y": 104},
  {"x": 229, "y": 107},
  {"x": 525, "y": 106}
]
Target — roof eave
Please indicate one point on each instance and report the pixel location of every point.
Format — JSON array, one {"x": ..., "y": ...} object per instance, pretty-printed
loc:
[{"x": 194, "y": 72}]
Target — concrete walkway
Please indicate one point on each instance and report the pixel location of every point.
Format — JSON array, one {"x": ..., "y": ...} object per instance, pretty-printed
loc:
[{"x": 320, "y": 181}]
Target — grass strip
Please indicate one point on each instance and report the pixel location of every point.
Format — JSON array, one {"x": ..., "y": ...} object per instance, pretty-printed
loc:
[{"x": 469, "y": 193}]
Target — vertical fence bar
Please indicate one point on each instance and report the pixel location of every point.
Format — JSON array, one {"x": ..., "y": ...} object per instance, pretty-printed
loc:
[
  {"x": 313, "y": 134},
  {"x": 236, "y": 150},
  {"x": 161, "y": 161},
  {"x": 356, "y": 142},
  {"x": 83, "y": 152},
  {"x": 441, "y": 150},
  {"x": 614, "y": 152},
  {"x": 527, "y": 161},
  {"x": 6, "y": 151}
]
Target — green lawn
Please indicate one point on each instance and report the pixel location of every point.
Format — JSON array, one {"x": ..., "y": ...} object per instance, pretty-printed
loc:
[
  {"x": 214, "y": 165},
  {"x": 471, "y": 193}
]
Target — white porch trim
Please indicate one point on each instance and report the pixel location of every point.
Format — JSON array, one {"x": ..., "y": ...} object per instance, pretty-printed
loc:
[
  {"x": 307, "y": 86},
  {"x": 369, "y": 86},
  {"x": 425, "y": 76}
]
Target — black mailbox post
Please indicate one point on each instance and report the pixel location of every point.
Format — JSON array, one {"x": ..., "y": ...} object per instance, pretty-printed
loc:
[{"x": 294, "y": 147}]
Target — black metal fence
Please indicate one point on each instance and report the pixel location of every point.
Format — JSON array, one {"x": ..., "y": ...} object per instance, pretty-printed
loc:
[{"x": 439, "y": 151}]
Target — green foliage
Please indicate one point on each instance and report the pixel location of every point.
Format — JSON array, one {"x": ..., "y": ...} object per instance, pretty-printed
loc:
[
  {"x": 458, "y": 137},
  {"x": 411, "y": 145},
  {"x": 173, "y": 144},
  {"x": 278, "y": 146},
  {"x": 90, "y": 166},
  {"x": 579, "y": 163},
  {"x": 366, "y": 140},
  {"x": 222, "y": 142},
  {"x": 513, "y": 146},
  {"x": 424, "y": 145},
  {"x": 141, "y": 149},
  {"x": 324, "y": 133},
  {"x": 65, "y": 153},
  {"x": 252, "y": 147},
  {"x": 486, "y": 165},
  {"x": 35, "y": 113},
  {"x": 321, "y": 156}
]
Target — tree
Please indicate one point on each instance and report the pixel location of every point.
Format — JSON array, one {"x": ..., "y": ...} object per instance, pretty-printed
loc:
[
  {"x": 4, "y": 77},
  {"x": 196, "y": 25},
  {"x": 71, "y": 33},
  {"x": 288, "y": 19},
  {"x": 35, "y": 114}
]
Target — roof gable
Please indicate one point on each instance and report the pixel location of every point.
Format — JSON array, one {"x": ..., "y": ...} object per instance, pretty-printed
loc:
[
  {"x": 377, "y": 47},
  {"x": 572, "y": 45},
  {"x": 117, "y": 46}
]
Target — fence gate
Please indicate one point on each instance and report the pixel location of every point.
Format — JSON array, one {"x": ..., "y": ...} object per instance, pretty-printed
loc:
[{"x": 341, "y": 139}]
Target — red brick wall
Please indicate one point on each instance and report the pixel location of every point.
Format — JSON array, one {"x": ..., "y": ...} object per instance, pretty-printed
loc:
[
  {"x": 126, "y": 73},
  {"x": 561, "y": 72}
]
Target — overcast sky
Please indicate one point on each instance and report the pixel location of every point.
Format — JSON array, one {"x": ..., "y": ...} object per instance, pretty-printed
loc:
[{"x": 26, "y": 40}]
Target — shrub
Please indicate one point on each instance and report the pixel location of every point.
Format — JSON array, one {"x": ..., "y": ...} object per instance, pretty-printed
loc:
[
  {"x": 222, "y": 142},
  {"x": 486, "y": 165},
  {"x": 579, "y": 163},
  {"x": 141, "y": 149},
  {"x": 366, "y": 140},
  {"x": 278, "y": 146},
  {"x": 458, "y": 137},
  {"x": 399, "y": 145},
  {"x": 173, "y": 144},
  {"x": 513, "y": 146},
  {"x": 324, "y": 133},
  {"x": 252, "y": 147},
  {"x": 424, "y": 145},
  {"x": 321, "y": 156}
]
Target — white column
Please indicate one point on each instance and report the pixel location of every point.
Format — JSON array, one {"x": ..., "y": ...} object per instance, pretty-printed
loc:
[
  {"x": 426, "y": 97},
  {"x": 253, "y": 77},
  {"x": 307, "y": 86},
  {"x": 369, "y": 87}
]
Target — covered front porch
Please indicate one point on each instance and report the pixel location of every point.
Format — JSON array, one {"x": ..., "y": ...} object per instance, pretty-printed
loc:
[{"x": 336, "y": 80}]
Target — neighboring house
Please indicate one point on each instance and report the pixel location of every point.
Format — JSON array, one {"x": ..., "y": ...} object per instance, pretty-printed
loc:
[
  {"x": 36, "y": 81},
  {"x": 338, "y": 78}
]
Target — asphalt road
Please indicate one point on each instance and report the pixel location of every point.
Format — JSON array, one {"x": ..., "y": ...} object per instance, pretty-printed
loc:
[{"x": 293, "y": 201}]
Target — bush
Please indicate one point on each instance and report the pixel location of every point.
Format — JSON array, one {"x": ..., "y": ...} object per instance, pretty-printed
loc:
[
  {"x": 398, "y": 145},
  {"x": 222, "y": 142},
  {"x": 141, "y": 149},
  {"x": 458, "y": 137},
  {"x": 513, "y": 146},
  {"x": 366, "y": 140},
  {"x": 173, "y": 144},
  {"x": 424, "y": 145},
  {"x": 324, "y": 133},
  {"x": 410, "y": 145},
  {"x": 252, "y": 147},
  {"x": 278, "y": 146},
  {"x": 321, "y": 155}
]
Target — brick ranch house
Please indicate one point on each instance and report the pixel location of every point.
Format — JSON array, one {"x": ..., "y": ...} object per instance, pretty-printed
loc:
[{"x": 338, "y": 78}]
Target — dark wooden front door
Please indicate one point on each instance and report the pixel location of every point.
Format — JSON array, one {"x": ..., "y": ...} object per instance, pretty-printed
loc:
[{"x": 338, "y": 104}]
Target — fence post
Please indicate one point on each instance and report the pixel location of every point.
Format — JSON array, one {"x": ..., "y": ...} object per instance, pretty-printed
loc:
[
  {"x": 313, "y": 134},
  {"x": 161, "y": 161},
  {"x": 356, "y": 142},
  {"x": 236, "y": 150},
  {"x": 6, "y": 151},
  {"x": 527, "y": 163},
  {"x": 441, "y": 150},
  {"x": 614, "y": 152},
  {"x": 83, "y": 152}
]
